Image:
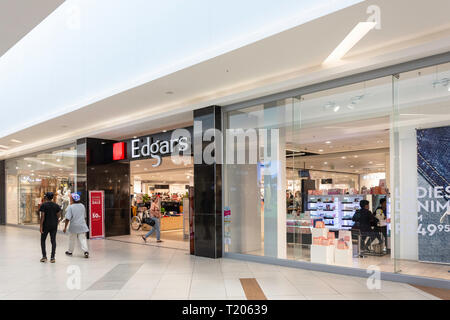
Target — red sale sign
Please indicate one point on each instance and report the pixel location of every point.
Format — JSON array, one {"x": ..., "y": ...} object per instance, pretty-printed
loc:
[{"x": 97, "y": 214}]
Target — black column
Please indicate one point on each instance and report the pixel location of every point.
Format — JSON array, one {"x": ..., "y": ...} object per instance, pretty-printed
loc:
[
  {"x": 207, "y": 187},
  {"x": 97, "y": 171},
  {"x": 2, "y": 192}
]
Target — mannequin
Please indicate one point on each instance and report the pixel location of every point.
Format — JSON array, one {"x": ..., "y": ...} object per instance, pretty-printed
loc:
[
  {"x": 65, "y": 201},
  {"x": 59, "y": 199}
]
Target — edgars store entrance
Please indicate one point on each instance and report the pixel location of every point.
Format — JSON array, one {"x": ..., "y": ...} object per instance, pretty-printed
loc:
[
  {"x": 167, "y": 184},
  {"x": 131, "y": 174}
]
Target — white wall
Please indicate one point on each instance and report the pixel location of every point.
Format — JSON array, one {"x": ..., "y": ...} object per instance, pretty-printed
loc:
[
  {"x": 407, "y": 232},
  {"x": 245, "y": 204},
  {"x": 87, "y": 50}
]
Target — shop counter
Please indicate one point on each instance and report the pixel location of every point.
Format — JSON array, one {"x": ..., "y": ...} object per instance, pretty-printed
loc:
[{"x": 171, "y": 223}]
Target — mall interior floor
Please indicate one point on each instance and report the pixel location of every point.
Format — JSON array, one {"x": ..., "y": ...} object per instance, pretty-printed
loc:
[
  {"x": 119, "y": 270},
  {"x": 172, "y": 239}
]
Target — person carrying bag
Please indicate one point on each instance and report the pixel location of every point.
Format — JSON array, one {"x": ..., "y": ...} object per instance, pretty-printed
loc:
[{"x": 155, "y": 215}]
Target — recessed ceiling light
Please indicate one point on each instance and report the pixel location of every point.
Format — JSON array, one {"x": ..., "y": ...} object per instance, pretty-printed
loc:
[
  {"x": 29, "y": 165},
  {"x": 325, "y": 163},
  {"x": 103, "y": 142},
  {"x": 17, "y": 168},
  {"x": 370, "y": 162},
  {"x": 321, "y": 150},
  {"x": 344, "y": 157},
  {"x": 164, "y": 131},
  {"x": 336, "y": 108},
  {"x": 138, "y": 165},
  {"x": 352, "y": 166},
  {"x": 328, "y": 142},
  {"x": 134, "y": 137},
  {"x": 58, "y": 160},
  {"x": 355, "y": 156}
]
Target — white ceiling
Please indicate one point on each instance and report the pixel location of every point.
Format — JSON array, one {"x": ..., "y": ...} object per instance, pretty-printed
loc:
[
  {"x": 167, "y": 172},
  {"x": 18, "y": 17},
  {"x": 284, "y": 61}
]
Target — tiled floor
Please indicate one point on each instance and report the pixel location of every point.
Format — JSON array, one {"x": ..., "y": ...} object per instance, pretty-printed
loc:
[
  {"x": 171, "y": 239},
  {"x": 119, "y": 270},
  {"x": 385, "y": 263}
]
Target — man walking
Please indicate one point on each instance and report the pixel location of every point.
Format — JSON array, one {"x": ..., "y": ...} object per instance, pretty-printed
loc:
[
  {"x": 50, "y": 217},
  {"x": 76, "y": 215}
]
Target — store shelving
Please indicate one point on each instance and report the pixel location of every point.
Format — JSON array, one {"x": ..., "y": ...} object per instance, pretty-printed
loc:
[{"x": 336, "y": 210}]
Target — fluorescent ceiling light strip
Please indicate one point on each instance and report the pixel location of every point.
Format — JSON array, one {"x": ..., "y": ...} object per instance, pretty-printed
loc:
[{"x": 350, "y": 41}]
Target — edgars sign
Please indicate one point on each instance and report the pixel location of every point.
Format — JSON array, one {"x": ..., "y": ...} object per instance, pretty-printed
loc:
[{"x": 154, "y": 146}]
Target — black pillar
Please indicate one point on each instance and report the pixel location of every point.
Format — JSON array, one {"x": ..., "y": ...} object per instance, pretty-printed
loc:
[
  {"x": 207, "y": 187},
  {"x": 2, "y": 192},
  {"x": 97, "y": 171}
]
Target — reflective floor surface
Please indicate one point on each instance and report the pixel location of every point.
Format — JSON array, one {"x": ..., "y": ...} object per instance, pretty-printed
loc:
[{"x": 121, "y": 270}]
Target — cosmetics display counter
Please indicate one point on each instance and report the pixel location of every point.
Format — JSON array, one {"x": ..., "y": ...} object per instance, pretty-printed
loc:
[
  {"x": 299, "y": 229},
  {"x": 329, "y": 249},
  {"x": 336, "y": 210}
]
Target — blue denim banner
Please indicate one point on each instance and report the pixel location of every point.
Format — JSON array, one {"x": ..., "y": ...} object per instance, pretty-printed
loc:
[{"x": 433, "y": 166}]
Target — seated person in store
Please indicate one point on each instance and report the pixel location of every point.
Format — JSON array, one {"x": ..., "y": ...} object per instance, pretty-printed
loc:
[
  {"x": 155, "y": 215},
  {"x": 366, "y": 221},
  {"x": 380, "y": 214}
]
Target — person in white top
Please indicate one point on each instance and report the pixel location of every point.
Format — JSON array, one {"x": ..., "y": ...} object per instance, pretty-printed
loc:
[
  {"x": 76, "y": 215},
  {"x": 380, "y": 214}
]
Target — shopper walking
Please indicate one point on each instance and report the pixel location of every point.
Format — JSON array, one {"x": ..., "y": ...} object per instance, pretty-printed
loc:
[
  {"x": 50, "y": 218},
  {"x": 155, "y": 215},
  {"x": 76, "y": 216}
]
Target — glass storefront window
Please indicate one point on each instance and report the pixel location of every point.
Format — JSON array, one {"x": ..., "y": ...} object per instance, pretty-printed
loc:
[
  {"x": 300, "y": 167},
  {"x": 31, "y": 176},
  {"x": 422, "y": 190}
]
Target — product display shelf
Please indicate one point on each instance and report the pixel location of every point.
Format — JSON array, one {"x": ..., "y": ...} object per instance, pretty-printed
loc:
[
  {"x": 298, "y": 229},
  {"x": 336, "y": 210},
  {"x": 325, "y": 207},
  {"x": 347, "y": 208}
]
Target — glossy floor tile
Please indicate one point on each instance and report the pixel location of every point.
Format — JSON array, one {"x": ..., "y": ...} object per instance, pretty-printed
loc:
[{"x": 118, "y": 270}]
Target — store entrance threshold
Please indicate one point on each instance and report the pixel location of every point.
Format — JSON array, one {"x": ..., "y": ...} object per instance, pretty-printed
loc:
[{"x": 170, "y": 239}]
